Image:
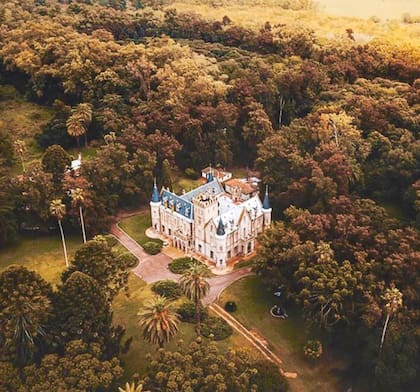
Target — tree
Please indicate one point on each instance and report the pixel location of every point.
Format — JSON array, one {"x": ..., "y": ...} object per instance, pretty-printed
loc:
[
  {"x": 77, "y": 199},
  {"x": 24, "y": 312},
  {"x": 133, "y": 387},
  {"x": 55, "y": 160},
  {"x": 158, "y": 322},
  {"x": 79, "y": 121},
  {"x": 81, "y": 311},
  {"x": 195, "y": 288},
  {"x": 166, "y": 174},
  {"x": 201, "y": 367},
  {"x": 75, "y": 127},
  {"x": 393, "y": 301},
  {"x": 80, "y": 369},
  {"x": 96, "y": 259},
  {"x": 8, "y": 219},
  {"x": 58, "y": 211}
]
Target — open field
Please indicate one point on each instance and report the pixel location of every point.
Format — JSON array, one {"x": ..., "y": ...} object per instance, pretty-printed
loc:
[
  {"x": 285, "y": 337},
  {"x": 336, "y": 16},
  {"x": 23, "y": 120},
  {"x": 41, "y": 254}
]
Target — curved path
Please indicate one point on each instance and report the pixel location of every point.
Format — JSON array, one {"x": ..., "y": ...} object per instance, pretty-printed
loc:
[{"x": 154, "y": 268}]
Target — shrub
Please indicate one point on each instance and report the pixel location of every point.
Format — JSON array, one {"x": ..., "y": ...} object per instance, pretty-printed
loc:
[
  {"x": 217, "y": 327},
  {"x": 313, "y": 349},
  {"x": 111, "y": 240},
  {"x": 128, "y": 259},
  {"x": 230, "y": 306},
  {"x": 167, "y": 289},
  {"x": 186, "y": 312},
  {"x": 268, "y": 378},
  {"x": 152, "y": 248},
  {"x": 179, "y": 266}
]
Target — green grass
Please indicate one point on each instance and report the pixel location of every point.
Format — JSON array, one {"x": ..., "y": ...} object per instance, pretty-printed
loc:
[
  {"x": 41, "y": 254},
  {"x": 23, "y": 120},
  {"x": 285, "y": 337},
  {"x": 136, "y": 227},
  {"x": 125, "y": 313}
]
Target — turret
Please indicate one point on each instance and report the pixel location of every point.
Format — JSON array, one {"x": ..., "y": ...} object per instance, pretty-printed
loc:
[
  {"x": 210, "y": 176},
  {"x": 154, "y": 207},
  {"x": 266, "y": 208},
  {"x": 221, "y": 245}
]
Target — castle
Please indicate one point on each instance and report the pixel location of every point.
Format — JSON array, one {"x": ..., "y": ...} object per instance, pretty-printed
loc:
[{"x": 211, "y": 220}]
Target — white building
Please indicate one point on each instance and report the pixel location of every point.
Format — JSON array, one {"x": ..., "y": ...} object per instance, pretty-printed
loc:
[{"x": 208, "y": 221}]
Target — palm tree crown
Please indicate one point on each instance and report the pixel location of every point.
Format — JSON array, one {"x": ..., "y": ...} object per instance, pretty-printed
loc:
[
  {"x": 158, "y": 322},
  {"x": 57, "y": 209},
  {"x": 195, "y": 287},
  {"x": 194, "y": 284}
]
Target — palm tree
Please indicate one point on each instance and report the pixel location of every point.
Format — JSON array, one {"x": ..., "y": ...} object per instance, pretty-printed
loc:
[
  {"x": 393, "y": 300},
  {"x": 58, "y": 211},
  {"x": 75, "y": 127},
  {"x": 158, "y": 322},
  {"x": 84, "y": 112},
  {"x": 131, "y": 388},
  {"x": 195, "y": 287},
  {"x": 77, "y": 200}
]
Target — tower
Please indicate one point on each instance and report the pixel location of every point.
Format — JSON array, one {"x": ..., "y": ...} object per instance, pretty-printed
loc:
[
  {"x": 205, "y": 208},
  {"x": 154, "y": 208},
  {"x": 266, "y": 208},
  {"x": 220, "y": 245}
]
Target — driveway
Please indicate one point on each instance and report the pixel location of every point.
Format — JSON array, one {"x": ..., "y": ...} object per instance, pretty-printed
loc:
[{"x": 154, "y": 268}]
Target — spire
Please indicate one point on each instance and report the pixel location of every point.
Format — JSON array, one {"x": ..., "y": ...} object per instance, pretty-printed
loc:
[
  {"x": 220, "y": 228},
  {"x": 155, "y": 194},
  {"x": 266, "y": 202},
  {"x": 210, "y": 177}
]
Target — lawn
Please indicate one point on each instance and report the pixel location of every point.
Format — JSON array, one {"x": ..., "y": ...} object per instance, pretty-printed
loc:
[
  {"x": 136, "y": 227},
  {"x": 41, "y": 254},
  {"x": 285, "y": 337},
  {"x": 125, "y": 313},
  {"x": 24, "y": 120}
]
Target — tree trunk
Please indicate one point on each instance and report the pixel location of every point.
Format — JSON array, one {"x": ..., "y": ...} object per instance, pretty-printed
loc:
[
  {"x": 384, "y": 331},
  {"x": 86, "y": 141},
  {"x": 78, "y": 141},
  {"x": 64, "y": 243},
  {"x": 82, "y": 223},
  {"x": 281, "y": 107},
  {"x": 197, "y": 318}
]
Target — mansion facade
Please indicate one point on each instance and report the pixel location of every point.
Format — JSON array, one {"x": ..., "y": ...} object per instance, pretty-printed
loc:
[{"x": 210, "y": 221}]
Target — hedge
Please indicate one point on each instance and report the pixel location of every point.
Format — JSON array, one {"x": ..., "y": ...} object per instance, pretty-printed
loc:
[
  {"x": 167, "y": 288},
  {"x": 186, "y": 312},
  {"x": 152, "y": 248},
  {"x": 217, "y": 327}
]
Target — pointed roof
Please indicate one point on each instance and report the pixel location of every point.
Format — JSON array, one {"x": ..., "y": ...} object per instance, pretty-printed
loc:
[
  {"x": 220, "y": 227},
  {"x": 266, "y": 202},
  {"x": 210, "y": 176},
  {"x": 155, "y": 194}
]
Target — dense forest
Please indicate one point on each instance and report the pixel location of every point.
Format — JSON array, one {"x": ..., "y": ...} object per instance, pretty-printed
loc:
[{"x": 331, "y": 124}]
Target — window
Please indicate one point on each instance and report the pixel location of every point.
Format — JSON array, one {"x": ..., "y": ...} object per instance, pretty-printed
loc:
[
  {"x": 249, "y": 246},
  {"x": 211, "y": 254},
  {"x": 229, "y": 255},
  {"x": 163, "y": 228},
  {"x": 169, "y": 231}
]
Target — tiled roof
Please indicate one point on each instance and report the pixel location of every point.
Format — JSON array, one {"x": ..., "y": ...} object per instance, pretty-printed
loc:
[
  {"x": 179, "y": 205},
  {"x": 214, "y": 188},
  {"x": 244, "y": 186}
]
